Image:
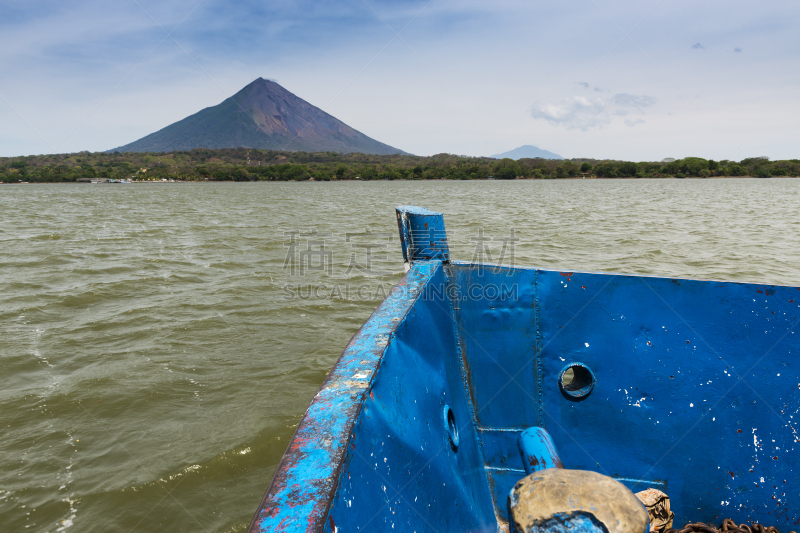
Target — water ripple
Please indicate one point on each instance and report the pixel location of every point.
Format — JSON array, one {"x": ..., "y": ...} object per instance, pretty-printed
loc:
[{"x": 154, "y": 363}]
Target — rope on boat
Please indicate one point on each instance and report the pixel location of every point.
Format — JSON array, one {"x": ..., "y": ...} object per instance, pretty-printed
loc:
[
  {"x": 728, "y": 526},
  {"x": 657, "y": 505}
]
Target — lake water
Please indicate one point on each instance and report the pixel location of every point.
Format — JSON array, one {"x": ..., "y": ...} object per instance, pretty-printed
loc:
[{"x": 160, "y": 342}]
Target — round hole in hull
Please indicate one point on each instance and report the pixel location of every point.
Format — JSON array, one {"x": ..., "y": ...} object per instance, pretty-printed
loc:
[
  {"x": 450, "y": 426},
  {"x": 576, "y": 380}
]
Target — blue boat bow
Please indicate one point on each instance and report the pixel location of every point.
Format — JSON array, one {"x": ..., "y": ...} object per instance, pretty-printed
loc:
[{"x": 686, "y": 386}]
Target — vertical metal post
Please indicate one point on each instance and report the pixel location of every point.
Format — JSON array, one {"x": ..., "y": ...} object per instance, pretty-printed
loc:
[{"x": 422, "y": 235}]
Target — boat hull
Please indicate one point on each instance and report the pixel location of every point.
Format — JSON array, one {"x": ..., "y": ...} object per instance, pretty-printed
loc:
[{"x": 690, "y": 387}]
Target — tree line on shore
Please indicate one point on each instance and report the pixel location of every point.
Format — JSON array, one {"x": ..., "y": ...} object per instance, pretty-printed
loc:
[{"x": 243, "y": 164}]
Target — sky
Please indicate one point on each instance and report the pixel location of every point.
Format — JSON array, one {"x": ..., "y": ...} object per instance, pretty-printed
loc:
[{"x": 633, "y": 80}]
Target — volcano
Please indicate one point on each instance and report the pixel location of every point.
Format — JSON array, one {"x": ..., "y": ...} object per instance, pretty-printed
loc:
[{"x": 262, "y": 115}]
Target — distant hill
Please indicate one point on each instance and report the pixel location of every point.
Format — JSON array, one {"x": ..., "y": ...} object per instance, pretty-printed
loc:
[
  {"x": 527, "y": 151},
  {"x": 263, "y": 115}
]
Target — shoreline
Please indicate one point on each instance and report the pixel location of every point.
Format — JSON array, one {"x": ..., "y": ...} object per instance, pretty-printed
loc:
[{"x": 155, "y": 182}]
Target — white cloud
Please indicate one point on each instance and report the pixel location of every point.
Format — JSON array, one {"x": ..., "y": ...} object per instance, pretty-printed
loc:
[
  {"x": 630, "y": 100},
  {"x": 576, "y": 112},
  {"x": 579, "y": 113}
]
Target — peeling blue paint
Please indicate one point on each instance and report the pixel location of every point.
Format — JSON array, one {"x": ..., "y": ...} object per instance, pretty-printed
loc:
[{"x": 305, "y": 482}]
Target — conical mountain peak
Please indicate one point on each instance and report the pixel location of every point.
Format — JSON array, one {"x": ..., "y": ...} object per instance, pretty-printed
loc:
[{"x": 261, "y": 115}]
